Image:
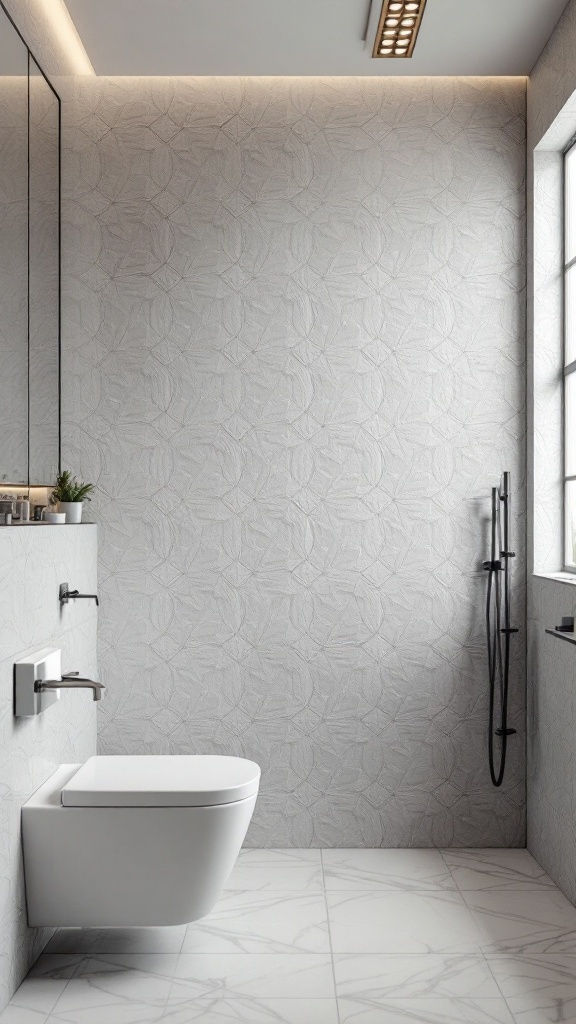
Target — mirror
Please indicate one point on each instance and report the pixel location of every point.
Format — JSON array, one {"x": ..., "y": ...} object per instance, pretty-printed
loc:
[
  {"x": 29, "y": 267},
  {"x": 13, "y": 255},
  {"x": 44, "y": 307}
]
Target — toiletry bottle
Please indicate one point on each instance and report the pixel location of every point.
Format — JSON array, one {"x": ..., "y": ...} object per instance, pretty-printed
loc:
[{"x": 6, "y": 503}]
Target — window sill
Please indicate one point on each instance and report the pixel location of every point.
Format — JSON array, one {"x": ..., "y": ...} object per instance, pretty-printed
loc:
[{"x": 558, "y": 577}]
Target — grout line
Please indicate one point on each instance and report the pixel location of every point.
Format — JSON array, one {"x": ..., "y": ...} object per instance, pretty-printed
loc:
[
  {"x": 330, "y": 937},
  {"x": 497, "y": 983},
  {"x": 451, "y": 873}
]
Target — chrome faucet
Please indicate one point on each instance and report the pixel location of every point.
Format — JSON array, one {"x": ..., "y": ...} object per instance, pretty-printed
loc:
[
  {"x": 66, "y": 594},
  {"x": 71, "y": 681}
]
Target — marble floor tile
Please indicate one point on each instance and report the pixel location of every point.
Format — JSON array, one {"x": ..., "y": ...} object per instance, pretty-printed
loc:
[
  {"x": 550, "y": 974},
  {"x": 39, "y": 994},
  {"x": 55, "y": 965},
  {"x": 247, "y": 922},
  {"x": 45, "y": 983},
  {"x": 110, "y": 1013},
  {"x": 386, "y": 869},
  {"x": 496, "y": 869},
  {"x": 532, "y": 1010},
  {"x": 245, "y": 1010},
  {"x": 162, "y": 965},
  {"x": 262, "y": 975},
  {"x": 380, "y": 977},
  {"x": 401, "y": 922},
  {"x": 425, "y": 1011},
  {"x": 117, "y": 940},
  {"x": 22, "y": 1015},
  {"x": 418, "y": 936},
  {"x": 524, "y": 922},
  {"x": 537, "y": 988},
  {"x": 112, "y": 994},
  {"x": 277, "y": 870},
  {"x": 97, "y": 975}
]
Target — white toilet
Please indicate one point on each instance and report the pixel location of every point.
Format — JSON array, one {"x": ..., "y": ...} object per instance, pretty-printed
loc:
[{"x": 135, "y": 840}]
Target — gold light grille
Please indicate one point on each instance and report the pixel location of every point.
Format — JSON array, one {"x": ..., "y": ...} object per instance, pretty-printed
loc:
[{"x": 398, "y": 28}]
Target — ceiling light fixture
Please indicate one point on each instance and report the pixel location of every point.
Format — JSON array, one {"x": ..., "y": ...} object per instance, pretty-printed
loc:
[
  {"x": 64, "y": 35},
  {"x": 398, "y": 28}
]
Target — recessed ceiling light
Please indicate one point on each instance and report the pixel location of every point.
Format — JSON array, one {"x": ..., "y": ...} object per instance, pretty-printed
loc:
[{"x": 398, "y": 28}]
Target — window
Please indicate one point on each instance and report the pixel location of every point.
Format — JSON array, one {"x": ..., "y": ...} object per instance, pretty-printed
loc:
[{"x": 570, "y": 359}]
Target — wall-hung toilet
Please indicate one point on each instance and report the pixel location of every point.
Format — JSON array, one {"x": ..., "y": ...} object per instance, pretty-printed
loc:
[{"x": 135, "y": 840}]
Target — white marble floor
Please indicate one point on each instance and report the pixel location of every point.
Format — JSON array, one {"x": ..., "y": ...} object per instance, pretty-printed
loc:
[{"x": 331, "y": 937}]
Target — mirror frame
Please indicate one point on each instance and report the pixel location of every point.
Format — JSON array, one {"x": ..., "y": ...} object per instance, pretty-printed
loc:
[{"x": 31, "y": 57}]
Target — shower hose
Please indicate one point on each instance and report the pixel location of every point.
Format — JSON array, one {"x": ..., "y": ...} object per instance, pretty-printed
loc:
[{"x": 498, "y": 628}]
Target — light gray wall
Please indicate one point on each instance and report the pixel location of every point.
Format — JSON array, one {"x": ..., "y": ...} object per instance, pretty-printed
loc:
[
  {"x": 551, "y": 662},
  {"x": 553, "y": 79},
  {"x": 294, "y": 355},
  {"x": 34, "y": 560}
]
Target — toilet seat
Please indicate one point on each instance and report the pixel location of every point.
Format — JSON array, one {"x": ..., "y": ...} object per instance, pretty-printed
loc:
[{"x": 174, "y": 780}]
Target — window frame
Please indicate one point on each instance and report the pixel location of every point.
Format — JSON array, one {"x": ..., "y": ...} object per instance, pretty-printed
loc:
[{"x": 568, "y": 369}]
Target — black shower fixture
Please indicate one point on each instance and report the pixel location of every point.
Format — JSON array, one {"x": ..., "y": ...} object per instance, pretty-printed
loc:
[{"x": 499, "y": 635}]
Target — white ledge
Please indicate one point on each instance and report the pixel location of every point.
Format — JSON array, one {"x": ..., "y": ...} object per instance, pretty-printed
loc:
[
  {"x": 558, "y": 577},
  {"x": 562, "y": 635}
]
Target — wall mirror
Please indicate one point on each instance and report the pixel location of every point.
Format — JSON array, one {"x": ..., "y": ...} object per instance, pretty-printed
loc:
[{"x": 29, "y": 266}]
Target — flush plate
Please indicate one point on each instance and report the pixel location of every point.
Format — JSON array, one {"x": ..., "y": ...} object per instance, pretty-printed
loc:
[{"x": 42, "y": 665}]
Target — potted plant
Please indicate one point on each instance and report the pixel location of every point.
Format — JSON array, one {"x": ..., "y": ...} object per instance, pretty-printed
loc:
[{"x": 70, "y": 496}]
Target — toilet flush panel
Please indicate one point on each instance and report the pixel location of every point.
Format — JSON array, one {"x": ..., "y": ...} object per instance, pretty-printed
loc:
[{"x": 37, "y": 667}]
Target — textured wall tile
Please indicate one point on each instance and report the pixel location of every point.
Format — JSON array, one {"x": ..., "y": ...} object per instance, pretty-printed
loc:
[
  {"x": 294, "y": 355},
  {"x": 34, "y": 561}
]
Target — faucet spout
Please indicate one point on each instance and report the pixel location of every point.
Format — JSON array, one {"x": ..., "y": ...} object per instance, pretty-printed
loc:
[
  {"x": 65, "y": 596},
  {"x": 67, "y": 683}
]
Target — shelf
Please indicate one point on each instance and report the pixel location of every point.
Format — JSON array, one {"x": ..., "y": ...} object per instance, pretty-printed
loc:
[{"x": 569, "y": 637}]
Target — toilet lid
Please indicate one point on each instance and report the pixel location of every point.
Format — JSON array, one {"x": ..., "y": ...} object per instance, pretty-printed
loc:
[{"x": 179, "y": 780}]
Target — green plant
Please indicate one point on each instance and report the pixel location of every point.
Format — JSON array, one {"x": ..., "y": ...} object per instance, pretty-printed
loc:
[{"x": 68, "y": 489}]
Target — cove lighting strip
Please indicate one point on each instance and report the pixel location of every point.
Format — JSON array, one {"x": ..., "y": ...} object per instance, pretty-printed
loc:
[{"x": 398, "y": 28}]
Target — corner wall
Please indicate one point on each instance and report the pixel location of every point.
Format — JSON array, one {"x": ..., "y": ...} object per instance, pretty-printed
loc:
[
  {"x": 551, "y": 662},
  {"x": 34, "y": 560}
]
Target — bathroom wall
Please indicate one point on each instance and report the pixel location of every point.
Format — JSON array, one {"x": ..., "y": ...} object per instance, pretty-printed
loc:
[
  {"x": 34, "y": 560},
  {"x": 294, "y": 355},
  {"x": 551, "y": 662}
]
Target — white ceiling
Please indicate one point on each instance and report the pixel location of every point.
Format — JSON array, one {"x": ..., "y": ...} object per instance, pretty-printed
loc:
[{"x": 307, "y": 37}]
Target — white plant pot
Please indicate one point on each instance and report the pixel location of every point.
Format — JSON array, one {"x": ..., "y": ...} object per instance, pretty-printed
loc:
[{"x": 73, "y": 510}]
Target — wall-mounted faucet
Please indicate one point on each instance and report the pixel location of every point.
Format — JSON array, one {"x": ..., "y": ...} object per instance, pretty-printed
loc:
[
  {"x": 64, "y": 595},
  {"x": 71, "y": 681},
  {"x": 38, "y": 680}
]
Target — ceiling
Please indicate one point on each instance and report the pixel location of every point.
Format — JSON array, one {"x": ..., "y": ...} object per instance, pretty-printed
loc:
[{"x": 307, "y": 37}]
